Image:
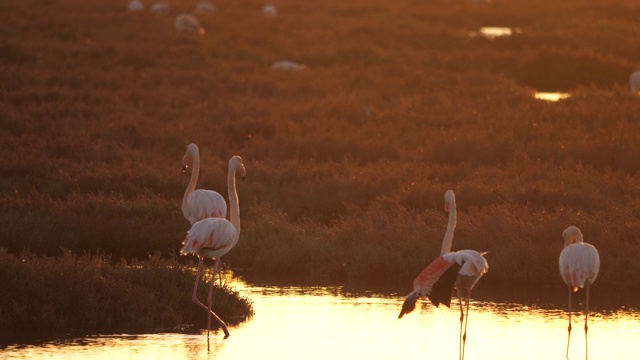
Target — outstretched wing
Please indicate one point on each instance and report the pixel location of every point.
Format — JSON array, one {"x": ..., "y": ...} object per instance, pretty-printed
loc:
[
  {"x": 443, "y": 287},
  {"x": 436, "y": 281}
]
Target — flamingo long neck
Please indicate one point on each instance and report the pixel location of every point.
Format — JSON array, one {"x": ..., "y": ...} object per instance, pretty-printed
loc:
[
  {"x": 234, "y": 204},
  {"x": 451, "y": 226},
  {"x": 192, "y": 182}
]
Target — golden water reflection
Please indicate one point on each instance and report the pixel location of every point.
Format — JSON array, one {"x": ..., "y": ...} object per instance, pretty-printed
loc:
[
  {"x": 492, "y": 32},
  {"x": 321, "y": 323},
  {"x": 551, "y": 96}
]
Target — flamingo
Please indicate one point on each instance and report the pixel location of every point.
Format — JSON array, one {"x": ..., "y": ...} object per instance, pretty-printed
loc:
[
  {"x": 269, "y": 10},
  {"x": 160, "y": 8},
  {"x": 287, "y": 65},
  {"x": 199, "y": 204},
  {"x": 205, "y": 7},
  {"x": 579, "y": 267},
  {"x": 135, "y": 5},
  {"x": 634, "y": 82},
  {"x": 460, "y": 269},
  {"x": 188, "y": 23},
  {"x": 214, "y": 237}
]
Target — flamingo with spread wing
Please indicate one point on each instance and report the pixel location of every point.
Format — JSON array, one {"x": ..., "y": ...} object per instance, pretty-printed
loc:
[{"x": 460, "y": 270}]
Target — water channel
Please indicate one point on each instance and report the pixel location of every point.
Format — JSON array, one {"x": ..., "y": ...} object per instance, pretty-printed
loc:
[{"x": 333, "y": 323}]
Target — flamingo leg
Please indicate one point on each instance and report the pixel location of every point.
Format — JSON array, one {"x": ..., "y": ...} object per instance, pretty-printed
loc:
[
  {"x": 586, "y": 320},
  {"x": 569, "y": 328},
  {"x": 218, "y": 269},
  {"x": 194, "y": 298},
  {"x": 209, "y": 300},
  {"x": 461, "y": 320},
  {"x": 466, "y": 322}
]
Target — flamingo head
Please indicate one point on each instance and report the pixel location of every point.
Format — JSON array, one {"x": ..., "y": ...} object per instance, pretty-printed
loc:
[
  {"x": 185, "y": 163},
  {"x": 189, "y": 155},
  {"x": 449, "y": 198},
  {"x": 235, "y": 163},
  {"x": 572, "y": 235}
]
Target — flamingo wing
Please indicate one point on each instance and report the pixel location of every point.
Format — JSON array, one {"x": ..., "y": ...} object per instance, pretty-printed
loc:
[
  {"x": 216, "y": 236},
  {"x": 435, "y": 282},
  {"x": 579, "y": 263},
  {"x": 443, "y": 287},
  {"x": 473, "y": 262}
]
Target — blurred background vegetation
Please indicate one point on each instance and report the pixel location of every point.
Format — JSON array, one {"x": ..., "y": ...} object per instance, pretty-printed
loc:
[{"x": 347, "y": 160}]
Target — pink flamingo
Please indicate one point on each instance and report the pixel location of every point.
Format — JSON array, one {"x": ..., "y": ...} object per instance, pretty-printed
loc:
[
  {"x": 461, "y": 269},
  {"x": 214, "y": 237},
  {"x": 199, "y": 204},
  {"x": 579, "y": 267}
]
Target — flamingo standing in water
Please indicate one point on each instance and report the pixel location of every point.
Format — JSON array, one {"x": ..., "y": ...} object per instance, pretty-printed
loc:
[
  {"x": 461, "y": 269},
  {"x": 579, "y": 267},
  {"x": 214, "y": 237},
  {"x": 199, "y": 204}
]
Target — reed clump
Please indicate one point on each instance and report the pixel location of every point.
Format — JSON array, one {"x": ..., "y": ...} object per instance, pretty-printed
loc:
[{"x": 93, "y": 294}]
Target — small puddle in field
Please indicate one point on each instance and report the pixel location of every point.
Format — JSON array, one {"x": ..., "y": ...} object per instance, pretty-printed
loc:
[
  {"x": 551, "y": 96},
  {"x": 492, "y": 32}
]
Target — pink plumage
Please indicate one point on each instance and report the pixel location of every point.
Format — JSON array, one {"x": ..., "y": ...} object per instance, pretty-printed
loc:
[
  {"x": 423, "y": 283},
  {"x": 211, "y": 235},
  {"x": 199, "y": 204},
  {"x": 202, "y": 204},
  {"x": 579, "y": 266}
]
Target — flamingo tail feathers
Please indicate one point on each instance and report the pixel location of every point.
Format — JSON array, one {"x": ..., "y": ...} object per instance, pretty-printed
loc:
[{"x": 409, "y": 304}]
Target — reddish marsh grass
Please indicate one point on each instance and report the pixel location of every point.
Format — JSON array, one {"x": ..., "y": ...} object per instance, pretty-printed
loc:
[
  {"x": 350, "y": 157},
  {"x": 99, "y": 296}
]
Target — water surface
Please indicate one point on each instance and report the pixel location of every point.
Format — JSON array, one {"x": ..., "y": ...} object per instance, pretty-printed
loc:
[
  {"x": 492, "y": 32},
  {"x": 330, "y": 323},
  {"x": 551, "y": 96}
]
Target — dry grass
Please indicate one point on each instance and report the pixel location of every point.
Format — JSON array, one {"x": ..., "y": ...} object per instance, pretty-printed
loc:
[{"x": 348, "y": 160}]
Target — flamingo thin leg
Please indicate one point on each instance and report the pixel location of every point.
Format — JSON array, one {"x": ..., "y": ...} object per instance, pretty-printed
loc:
[
  {"x": 218, "y": 269},
  {"x": 461, "y": 319},
  {"x": 209, "y": 300},
  {"x": 194, "y": 298},
  {"x": 586, "y": 320},
  {"x": 466, "y": 322},
  {"x": 569, "y": 328}
]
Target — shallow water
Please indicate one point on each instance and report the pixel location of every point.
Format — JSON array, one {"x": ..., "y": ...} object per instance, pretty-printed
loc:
[
  {"x": 492, "y": 32},
  {"x": 551, "y": 96},
  {"x": 330, "y": 323}
]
